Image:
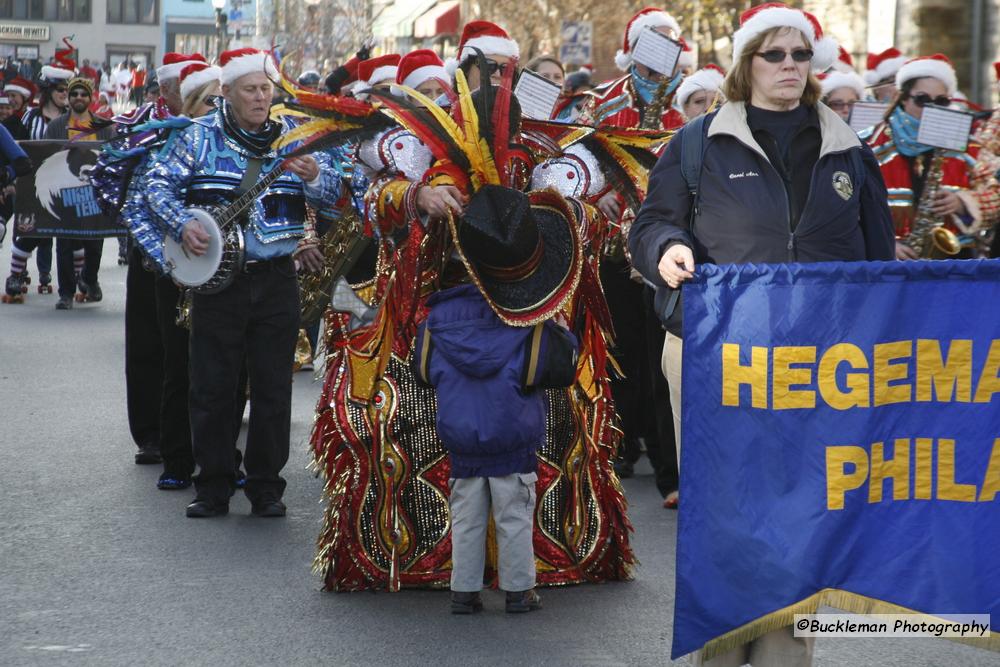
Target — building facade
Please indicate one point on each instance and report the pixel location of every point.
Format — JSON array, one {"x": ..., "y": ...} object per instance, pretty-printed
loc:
[{"x": 102, "y": 30}]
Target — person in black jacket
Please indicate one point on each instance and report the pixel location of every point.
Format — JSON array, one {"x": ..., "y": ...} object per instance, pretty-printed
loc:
[{"x": 782, "y": 179}]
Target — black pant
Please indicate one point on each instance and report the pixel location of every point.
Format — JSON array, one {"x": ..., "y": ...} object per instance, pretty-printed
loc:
[
  {"x": 143, "y": 354},
  {"x": 661, "y": 441},
  {"x": 175, "y": 426},
  {"x": 92, "y": 249},
  {"x": 255, "y": 319}
]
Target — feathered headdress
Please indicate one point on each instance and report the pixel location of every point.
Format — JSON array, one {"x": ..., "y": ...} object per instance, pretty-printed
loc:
[{"x": 474, "y": 144}]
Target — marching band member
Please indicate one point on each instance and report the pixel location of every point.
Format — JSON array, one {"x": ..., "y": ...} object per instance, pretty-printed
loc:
[
  {"x": 698, "y": 92},
  {"x": 256, "y": 317},
  {"x": 782, "y": 179},
  {"x": 880, "y": 74},
  {"x": 493, "y": 41},
  {"x": 20, "y": 91},
  {"x": 841, "y": 90},
  {"x": 986, "y": 173},
  {"x": 925, "y": 185}
]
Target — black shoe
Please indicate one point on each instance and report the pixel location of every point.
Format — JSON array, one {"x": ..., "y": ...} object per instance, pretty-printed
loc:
[
  {"x": 204, "y": 509},
  {"x": 624, "y": 469},
  {"x": 148, "y": 454},
  {"x": 523, "y": 601},
  {"x": 268, "y": 506},
  {"x": 64, "y": 303},
  {"x": 466, "y": 603},
  {"x": 171, "y": 482}
]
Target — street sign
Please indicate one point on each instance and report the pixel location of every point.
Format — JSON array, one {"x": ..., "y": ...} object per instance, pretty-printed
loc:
[{"x": 576, "y": 42}]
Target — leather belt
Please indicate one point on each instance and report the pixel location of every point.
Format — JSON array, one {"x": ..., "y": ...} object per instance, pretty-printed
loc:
[{"x": 254, "y": 266}]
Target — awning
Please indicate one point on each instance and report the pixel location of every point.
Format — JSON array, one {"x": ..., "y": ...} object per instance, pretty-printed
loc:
[
  {"x": 414, "y": 9},
  {"x": 443, "y": 19}
]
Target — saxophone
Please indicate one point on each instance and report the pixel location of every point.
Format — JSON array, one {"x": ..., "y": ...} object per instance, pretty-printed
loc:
[
  {"x": 928, "y": 236},
  {"x": 341, "y": 246},
  {"x": 652, "y": 117}
]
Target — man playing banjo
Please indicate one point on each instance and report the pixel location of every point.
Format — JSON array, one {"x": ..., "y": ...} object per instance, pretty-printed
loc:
[{"x": 247, "y": 309}]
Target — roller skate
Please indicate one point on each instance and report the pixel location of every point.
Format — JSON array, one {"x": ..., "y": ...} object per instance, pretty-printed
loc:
[
  {"x": 14, "y": 289},
  {"x": 88, "y": 293},
  {"x": 44, "y": 283},
  {"x": 25, "y": 281}
]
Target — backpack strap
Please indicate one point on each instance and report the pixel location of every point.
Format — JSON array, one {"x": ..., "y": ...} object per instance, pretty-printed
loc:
[{"x": 692, "y": 139}]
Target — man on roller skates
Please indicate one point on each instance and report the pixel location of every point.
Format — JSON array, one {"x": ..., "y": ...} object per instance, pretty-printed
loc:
[{"x": 13, "y": 163}]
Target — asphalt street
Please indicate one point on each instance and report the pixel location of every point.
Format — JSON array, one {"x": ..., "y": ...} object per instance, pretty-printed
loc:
[{"x": 98, "y": 567}]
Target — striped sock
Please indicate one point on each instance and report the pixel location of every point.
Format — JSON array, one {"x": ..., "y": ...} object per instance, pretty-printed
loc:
[
  {"x": 18, "y": 260},
  {"x": 78, "y": 261}
]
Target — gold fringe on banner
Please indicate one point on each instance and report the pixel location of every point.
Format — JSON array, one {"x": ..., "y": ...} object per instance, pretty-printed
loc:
[{"x": 838, "y": 599}]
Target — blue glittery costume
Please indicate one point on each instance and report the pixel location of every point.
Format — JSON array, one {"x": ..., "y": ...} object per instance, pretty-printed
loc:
[{"x": 202, "y": 166}]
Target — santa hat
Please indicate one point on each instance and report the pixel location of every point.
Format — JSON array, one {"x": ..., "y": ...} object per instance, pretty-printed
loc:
[
  {"x": 196, "y": 75},
  {"x": 844, "y": 62},
  {"x": 174, "y": 62},
  {"x": 22, "y": 86},
  {"x": 833, "y": 80},
  {"x": 488, "y": 37},
  {"x": 686, "y": 58},
  {"x": 709, "y": 77},
  {"x": 996, "y": 68},
  {"x": 379, "y": 70},
  {"x": 937, "y": 66},
  {"x": 883, "y": 66},
  {"x": 51, "y": 74},
  {"x": 650, "y": 17},
  {"x": 768, "y": 16},
  {"x": 240, "y": 62},
  {"x": 418, "y": 66}
]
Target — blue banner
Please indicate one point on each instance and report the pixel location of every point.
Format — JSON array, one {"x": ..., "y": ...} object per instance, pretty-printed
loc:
[{"x": 840, "y": 445}]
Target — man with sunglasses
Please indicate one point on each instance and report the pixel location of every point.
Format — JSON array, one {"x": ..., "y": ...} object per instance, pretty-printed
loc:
[
  {"x": 78, "y": 120},
  {"x": 905, "y": 162}
]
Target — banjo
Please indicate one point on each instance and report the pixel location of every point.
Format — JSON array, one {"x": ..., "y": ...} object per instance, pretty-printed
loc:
[{"x": 215, "y": 270}]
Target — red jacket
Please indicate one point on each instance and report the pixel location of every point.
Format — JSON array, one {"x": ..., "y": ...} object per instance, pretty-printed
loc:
[
  {"x": 615, "y": 104},
  {"x": 896, "y": 171}
]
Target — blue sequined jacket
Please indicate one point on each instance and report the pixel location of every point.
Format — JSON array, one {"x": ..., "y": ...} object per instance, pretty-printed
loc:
[{"x": 201, "y": 166}]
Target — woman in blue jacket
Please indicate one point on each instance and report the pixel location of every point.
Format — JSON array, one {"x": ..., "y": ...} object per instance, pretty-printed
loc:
[{"x": 779, "y": 178}]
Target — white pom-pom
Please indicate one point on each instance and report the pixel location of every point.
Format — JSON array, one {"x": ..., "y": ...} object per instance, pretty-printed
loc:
[
  {"x": 623, "y": 60},
  {"x": 825, "y": 53}
]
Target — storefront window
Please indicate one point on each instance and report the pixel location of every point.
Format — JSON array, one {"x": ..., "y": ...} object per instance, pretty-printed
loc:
[
  {"x": 133, "y": 11},
  {"x": 46, "y": 10}
]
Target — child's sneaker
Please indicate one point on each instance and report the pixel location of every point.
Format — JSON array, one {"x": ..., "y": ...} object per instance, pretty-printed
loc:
[
  {"x": 466, "y": 603},
  {"x": 522, "y": 601}
]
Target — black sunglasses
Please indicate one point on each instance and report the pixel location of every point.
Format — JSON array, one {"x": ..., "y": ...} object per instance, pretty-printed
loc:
[
  {"x": 60, "y": 89},
  {"x": 492, "y": 67},
  {"x": 79, "y": 93},
  {"x": 776, "y": 56},
  {"x": 923, "y": 99},
  {"x": 838, "y": 105}
]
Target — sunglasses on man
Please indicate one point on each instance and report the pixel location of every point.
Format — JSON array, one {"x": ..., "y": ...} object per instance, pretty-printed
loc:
[
  {"x": 923, "y": 99},
  {"x": 492, "y": 67},
  {"x": 775, "y": 56},
  {"x": 79, "y": 93}
]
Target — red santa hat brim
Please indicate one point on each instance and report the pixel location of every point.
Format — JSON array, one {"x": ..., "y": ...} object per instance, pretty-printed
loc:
[
  {"x": 825, "y": 49},
  {"x": 623, "y": 59},
  {"x": 422, "y": 74},
  {"x": 928, "y": 67},
  {"x": 704, "y": 79},
  {"x": 249, "y": 63},
  {"x": 195, "y": 80},
  {"x": 885, "y": 71},
  {"x": 835, "y": 80},
  {"x": 53, "y": 74},
  {"x": 20, "y": 90},
  {"x": 489, "y": 45}
]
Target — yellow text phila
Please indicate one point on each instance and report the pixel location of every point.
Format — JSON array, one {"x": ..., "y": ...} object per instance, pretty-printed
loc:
[
  {"x": 844, "y": 376},
  {"x": 914, "y": 470}
]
